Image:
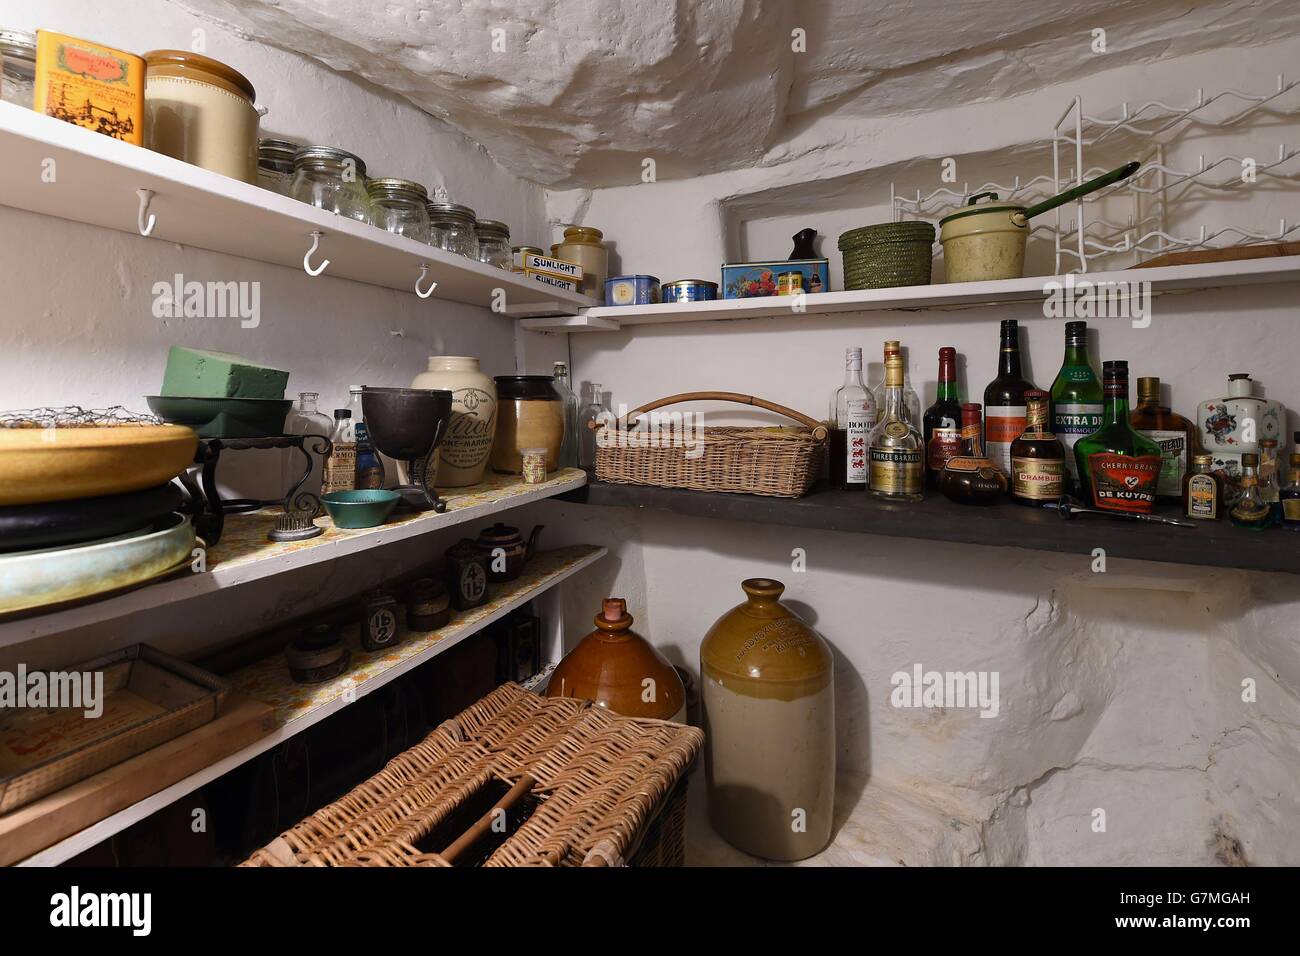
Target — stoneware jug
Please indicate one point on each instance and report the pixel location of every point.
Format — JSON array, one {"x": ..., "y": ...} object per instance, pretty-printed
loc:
[
  {"x": 769, "y": 727},
  {"x": 464, "y": 452},
  {"x": 619, "y": 669}
]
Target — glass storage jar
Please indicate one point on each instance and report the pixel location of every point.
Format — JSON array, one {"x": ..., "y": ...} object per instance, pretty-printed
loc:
[
  {"x": 398, "y": 205},
  {"x": 331, "y": 179},
  {"x": 275, "y": 164},
  {"x": 451, "y": 227},
  {"x": 18, "y": 82},
  {"x": 494, "y": 243}
]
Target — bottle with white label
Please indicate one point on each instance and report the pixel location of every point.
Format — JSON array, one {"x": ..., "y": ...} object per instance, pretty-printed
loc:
[
  {"x": 1175, "y": 435},
  {"x": 1005, "y": 413},
  {"x": 341, "y": 465},
  {"x": 1077, "y": 404},
  {"x": 852, "y": 414}
]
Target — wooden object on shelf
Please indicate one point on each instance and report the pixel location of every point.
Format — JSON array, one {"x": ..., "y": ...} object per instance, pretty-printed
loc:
[
  {"x": 608, "y": 790},
  {"x": 59, "y": 815},
  {"x": 1228, "y": 254}
]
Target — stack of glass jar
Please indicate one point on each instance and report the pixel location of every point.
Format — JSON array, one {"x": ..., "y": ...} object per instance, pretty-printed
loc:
[
  {"x": 331, "y": 179},
  {"x": 398, "y": 205},
  {"x": 451, "y": 227}
]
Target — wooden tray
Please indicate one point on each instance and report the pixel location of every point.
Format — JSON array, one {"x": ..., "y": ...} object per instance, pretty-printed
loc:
[
  {"x": 148, "y": 699},
  {"x": 1226, "y": 254}
]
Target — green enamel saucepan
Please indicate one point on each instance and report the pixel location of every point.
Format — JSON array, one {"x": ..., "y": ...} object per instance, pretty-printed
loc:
[{"x": 987, "y": 241}]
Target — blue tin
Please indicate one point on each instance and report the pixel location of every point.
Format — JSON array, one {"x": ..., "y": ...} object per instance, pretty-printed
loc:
[
  {"x": 631, "y": 290},
  {"x": 689, "y": 290},
  {"x": 744, "y": 280}
]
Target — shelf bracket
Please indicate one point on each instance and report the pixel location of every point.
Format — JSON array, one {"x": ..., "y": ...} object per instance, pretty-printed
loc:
[
  {"x": 146, "y": 197},
  {"x": 424, "y": 271},
  {"x": 306, "y": 260}
]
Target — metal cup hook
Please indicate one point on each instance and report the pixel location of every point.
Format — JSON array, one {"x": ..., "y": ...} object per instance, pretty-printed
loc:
[
  {"x": 424, "y": 271},
  {"x": 146, "y": 197},
  {"x": 306, "y": 259}
]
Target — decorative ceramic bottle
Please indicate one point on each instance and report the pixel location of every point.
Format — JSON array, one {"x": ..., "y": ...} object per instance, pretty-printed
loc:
[
  {"x": 619, "y": 669},
  {"x": 464, "y": 452},
  {"x": 1233, "y": 425},
  {"x": 769, "y": 721}
]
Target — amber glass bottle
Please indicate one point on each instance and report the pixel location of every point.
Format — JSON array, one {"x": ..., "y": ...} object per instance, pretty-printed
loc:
[
  {"x": 1037, "y": 457},
  {"x": 1175, "y": 435},
  {"x": 970, "y": 478}
]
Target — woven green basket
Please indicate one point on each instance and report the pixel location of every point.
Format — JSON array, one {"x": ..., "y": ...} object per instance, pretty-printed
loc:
[{"x": 887, "y": 255}]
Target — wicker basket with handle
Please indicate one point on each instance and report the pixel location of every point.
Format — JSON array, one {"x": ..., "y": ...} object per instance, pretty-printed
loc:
[
  {"x": 575, "y": 784},
  {"x": 782, "y": 462}
]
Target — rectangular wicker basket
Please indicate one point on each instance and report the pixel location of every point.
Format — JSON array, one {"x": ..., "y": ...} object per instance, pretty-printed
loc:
[
  {"x": 780, "y": 462},
  {"x": 582, "y": 787}
]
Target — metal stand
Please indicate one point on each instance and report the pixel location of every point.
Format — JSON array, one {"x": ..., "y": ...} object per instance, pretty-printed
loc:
[{"x": 209, "y": 511}]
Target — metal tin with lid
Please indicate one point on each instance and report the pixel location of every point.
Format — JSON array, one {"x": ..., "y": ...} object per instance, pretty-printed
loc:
[
  {"x": 689, "y": 290},
  {"x": 631, "y": 290}
]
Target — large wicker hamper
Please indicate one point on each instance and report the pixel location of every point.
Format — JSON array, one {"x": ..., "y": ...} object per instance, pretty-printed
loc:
[{"x": 582, "y": 787}]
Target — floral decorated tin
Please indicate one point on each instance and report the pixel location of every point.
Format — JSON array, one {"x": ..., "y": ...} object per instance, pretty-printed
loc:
[{"x": 744, "y": 280}]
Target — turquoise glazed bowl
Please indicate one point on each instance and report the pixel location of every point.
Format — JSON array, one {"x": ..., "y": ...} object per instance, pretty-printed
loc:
[{"x": 360, "y": 509}]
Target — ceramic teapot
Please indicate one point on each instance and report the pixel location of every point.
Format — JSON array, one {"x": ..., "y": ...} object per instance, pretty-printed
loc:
[{"x": 507, "y": 550}]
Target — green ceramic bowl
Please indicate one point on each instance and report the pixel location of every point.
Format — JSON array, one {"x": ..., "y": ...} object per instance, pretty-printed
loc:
[{"x": 368, "y": 508}]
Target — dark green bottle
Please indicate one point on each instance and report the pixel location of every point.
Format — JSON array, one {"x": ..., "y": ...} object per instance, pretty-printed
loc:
[
  {"x": 1118, "y": 467},
  {"x": 1077, "y": 403}
]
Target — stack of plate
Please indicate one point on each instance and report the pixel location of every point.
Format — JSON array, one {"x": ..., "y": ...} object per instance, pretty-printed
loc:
[{"x": 887, "y": 255}]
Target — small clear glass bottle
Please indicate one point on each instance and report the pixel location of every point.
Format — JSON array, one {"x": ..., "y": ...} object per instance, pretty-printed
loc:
[
  {"x": 494, "y": 243},
  {"x": 1250, "y": 511},
  {"x": 586, "y": 434},
  {"x": 275, "y": 164},
  {"x": 451, "y": 227},
  {"x": 331, "y": 179},
  {"x": 1290, "y": 496},
  {"x": 399, "y": 206},
  {"x": 341, "y": 465},
  {"x": 569, "y": 448},
  {"x": 1270, "y": 477},
  {"x": 18, "y": 62},
  {"x": 305, "y": 419}
]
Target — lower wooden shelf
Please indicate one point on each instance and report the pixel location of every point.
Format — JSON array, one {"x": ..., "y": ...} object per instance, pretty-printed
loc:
[
  {"x": 288, "y": 709},
  {"x": 1217, "y": 544}
]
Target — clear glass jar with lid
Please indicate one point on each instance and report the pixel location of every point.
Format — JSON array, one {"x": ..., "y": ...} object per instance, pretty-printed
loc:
[
  {"x": 451, "y": 227},
  {"x": 494, "y": 243},
  {"x": 275, "y": 164},
  {"x": 331, "y": 179},
  {"x": 18, "y": 55},
  {"x": 398, "y": 205}
]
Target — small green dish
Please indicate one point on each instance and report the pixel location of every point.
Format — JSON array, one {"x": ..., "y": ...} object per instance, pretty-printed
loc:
[{"x": 367, "y": 508}]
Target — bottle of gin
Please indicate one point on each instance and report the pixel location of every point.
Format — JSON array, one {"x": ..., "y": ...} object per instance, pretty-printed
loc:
[
  {"x": 1037, "y": 457},
  {"x": 941, "y": 425},
  {"x": 1005, "y": 415},
  {"x": 1118, "y": 467},
  {"x": 1076, "y": 398},
  {"x": 1175, "y": 435},
  {"x": 1290, "y": 496},
  {"x": 1250, "y": 511},
  {"x": 970, "y": 478},
  {"x": 896, "y": 469},
  {"x": 852, "y": 414}
]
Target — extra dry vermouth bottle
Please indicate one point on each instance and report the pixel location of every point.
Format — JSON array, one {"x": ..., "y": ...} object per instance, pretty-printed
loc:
[
  {"x": 1037, "y": 457},
  {"x": 942, "y": 421},
  {"x": 853, "y": 412},
  {"x": 1077, "y": 403},
  {"x": 970, "y": 478},
  {"x": 1117, "y": 466},
  {"x": 1175, "y": 435},
  {"x": 1004, "y": 400},
  {"x": 896, "y": 469},
  {"x": 910, "y": 399}
]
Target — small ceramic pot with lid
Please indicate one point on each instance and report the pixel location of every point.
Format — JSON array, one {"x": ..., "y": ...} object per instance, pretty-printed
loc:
[
  {"x": 530, "y": 415},
  {"x": 200, "y": 110},
  {"x": 507, "y": 550},
  {"x": 584, "y": 245},
  {"x": 399, "y": 206}
]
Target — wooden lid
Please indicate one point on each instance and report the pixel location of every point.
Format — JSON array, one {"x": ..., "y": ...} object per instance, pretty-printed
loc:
[{"x": 199, "y": 67}]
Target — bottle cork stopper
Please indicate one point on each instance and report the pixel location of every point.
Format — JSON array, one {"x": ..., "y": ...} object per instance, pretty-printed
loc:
[{"x": 614, "y": 609}]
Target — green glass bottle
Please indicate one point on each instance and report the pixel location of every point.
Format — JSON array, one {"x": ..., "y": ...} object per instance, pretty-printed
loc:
[
  {"x": 1077, "y": 404},
  {"x": 1118, "y": 467}
]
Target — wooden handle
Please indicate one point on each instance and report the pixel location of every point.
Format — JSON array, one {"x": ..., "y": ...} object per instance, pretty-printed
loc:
[
  {"x": 818, "y": 429},
  {"x": 483, "y": 826}
]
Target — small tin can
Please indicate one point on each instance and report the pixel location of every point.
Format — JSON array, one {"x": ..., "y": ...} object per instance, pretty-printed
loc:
[
  {"x": 428, "y": 606},
  {"x": 789, "y": 283},
  {"x": 534, "y": 465},
  {"x": 631, "y": 290},
  {"x": 378, "y": 618},
  {"x": 689, "y": 290},
  {"x": 467, "y": 574}
]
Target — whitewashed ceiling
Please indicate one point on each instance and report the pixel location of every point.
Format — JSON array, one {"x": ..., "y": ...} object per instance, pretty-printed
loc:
[{"x": 576, "y": 93}]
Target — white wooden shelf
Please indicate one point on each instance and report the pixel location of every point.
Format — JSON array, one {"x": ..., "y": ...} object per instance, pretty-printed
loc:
[
  {"x": 244, "y": 554},
  {"x": 366, "y": 673},
  {"x": 955, "y": 295},
  {"x": 95, "y": 179}
]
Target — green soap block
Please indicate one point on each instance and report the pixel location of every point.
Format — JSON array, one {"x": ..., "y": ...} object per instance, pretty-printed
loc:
[{"x": 196, "y": 373}]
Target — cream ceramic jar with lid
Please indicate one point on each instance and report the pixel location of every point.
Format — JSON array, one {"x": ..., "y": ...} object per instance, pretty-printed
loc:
[
  {"x": 200, "y": 111},
  {"x": 465, "y": 449},
  {"x": 584, "y": 245}
]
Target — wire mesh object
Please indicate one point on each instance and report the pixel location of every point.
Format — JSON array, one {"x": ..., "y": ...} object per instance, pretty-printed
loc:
[
  {"x": 74, "y": 416},
  {"x": 573, "y": 784}
]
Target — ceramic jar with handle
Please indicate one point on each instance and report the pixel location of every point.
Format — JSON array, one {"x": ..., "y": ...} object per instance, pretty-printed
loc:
[
  {"x": 769, "y": 722},
  {"x": 464, "y": 452},
  {"x": 619, "y": 669},
  {"x": 530, "y": 415},
  {"x": 507, "y": 550}
]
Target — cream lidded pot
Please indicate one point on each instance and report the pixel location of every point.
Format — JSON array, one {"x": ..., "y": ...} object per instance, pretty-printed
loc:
[
  {"x": 200, "y": 111},
  {"x": 583, "y": 245},
  {"x": 331, "y": 179},
  {"x": 530, "y": 414},
  {"x": 398, "y": 206},
  {"x": 465, "y": 448}
]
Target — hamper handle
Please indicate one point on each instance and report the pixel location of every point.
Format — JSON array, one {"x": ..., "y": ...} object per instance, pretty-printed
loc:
[
  {"x": 818, "y": 429},
  {"x": 483, "y": 825}
]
